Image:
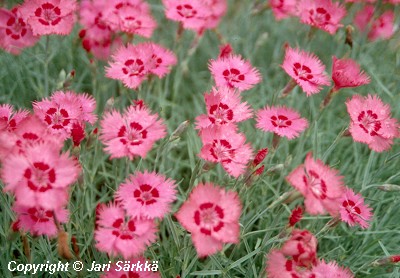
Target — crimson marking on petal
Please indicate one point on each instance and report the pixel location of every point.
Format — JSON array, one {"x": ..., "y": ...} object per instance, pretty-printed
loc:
[
  {"x": 206, "y": 206},
  {"x": 197, "y": 217},
  {"x": 131, "y": 226},
  {"x": 117, "y": 223},
  {"x": 205, "y": 231},
  {"x": 218, "y": 227}
]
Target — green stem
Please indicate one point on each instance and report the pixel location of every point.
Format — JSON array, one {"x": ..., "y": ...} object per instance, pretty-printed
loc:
[{"x": 46, "y": 67}]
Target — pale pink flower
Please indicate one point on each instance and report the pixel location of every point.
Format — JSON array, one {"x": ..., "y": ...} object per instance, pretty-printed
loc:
[
  {"x": 279, "y": 266},
  {"x": 281, "y": 120},
  {"x": 306, "y": 69},
  {"x": 224, "y": 145},
  {"x": 211, "y": 214},
  {"x": 15, "y": 34},
  {"x": 48, "y": 17},
  {"x": 322, "y": 269},
  {"x": 40, "y": 176},
  {"x": 302, "y": 247},
  {"x": 363, "y": 17},
  {"x": 130, "y": 65},
  {"x": 321, "y": 186},
  {"x": 382, "y": 27},
  {"x": 346, "y": 73},
  {"x": 118, "y": 233},
  {"x": 283, "y": 8},
  {"x": 132, "y": 133},
  {"x": 371, "y": 122},
  {"x": 353, "y": 210},
  {"x": 223, "y": 107},
  {"x": 322, "y": 14},
  {"x": 147, "y": 195},
  {"x": 117, "y": 272},
  {"x": 235, "y": 73},
  {"x": 10, "y": 119},
  {"x": 38, "y": 220},
  {"x": 131, "y": 20}
]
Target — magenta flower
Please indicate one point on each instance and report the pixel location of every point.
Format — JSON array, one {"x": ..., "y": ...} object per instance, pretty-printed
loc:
[
  {"x": 320, "y": 185},
  {"x": 224, "y": 145},
  {"x": 283, "y": 8},
  {"x": 382, "y": 27},
  {"x": 363, "y": 17},
  {"x": 134, "y": 272},
  {"x": 235, "y": 73},
  {"x": 306, "y": 69},
  {"x": 353, "y": 211},
  {"x": 322, "y": 14},
  {"x": 223, "y": 107},
  {"x": 15, "y": 34},
  {"x": 346, "y": 73},
  {"x": 118, "y": 233},
  {"x": 10, "y": 119},
  {"x": 40, "y": 176},
  {"x": 147, "y": 195},
  {"x": 132, "y": 133},
  {"x": 370, "y": 122},
  {"x": 282, "y": 121},
  {"x": 279, "y": 266},
  {"x": 38, "y": 220},
  {"x": 211, "y": 214},
  {"x": 48, "y": 17},
  {"x": 334, "y": 270}
]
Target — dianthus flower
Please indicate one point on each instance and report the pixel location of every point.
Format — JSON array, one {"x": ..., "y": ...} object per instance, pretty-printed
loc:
[
  {"x": 346, "y": 73},
  {"x": 353, "y": 210},
  {"x": 382, "y": 27},
  {"x": 363, "y": 17},
  {"x": 10, "y": 119},
  {"x": 322, "y": 269},
  {"x": 283, "y": 8}
]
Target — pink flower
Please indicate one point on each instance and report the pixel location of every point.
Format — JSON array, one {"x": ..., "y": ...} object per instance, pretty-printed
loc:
[
  {"x": 99, "y": 42},
  {"x": 48, "y": 17},
  {"x": 382, "y": 27},
  {"x": 353, "y": 210},
  {"x": 38, "y": 220},
  {"x": 278, "y": 266},
  {"x": 132, "y": 133},
  {"x": 323, "y": 14},
  {"x": 147, "y": 195},
  {"x": 10, "y": 119},
  {"x": 134, "y": 63},
  {"x": 235, "y": 73},
  {"x": 346, "y": 73},
  {"x": 118, "y": 233},
  {"x": 371, "y": 122},
  {"x": 15, "y": 34},
  {"x": 224, "y": 145},
  {"x": 320, "y": 185},
  {"x": 282, "y": 121},
  {"x": 211, "y": 214},
  {"x": 117, "y": 272},
  {"x": 40, "y": 176},
  {"x": 322, "y": 268},
  {"x": 283, "y": 8},
  {"x": 131, "y": 20},
  {"x": 302, "y": 247},
  {"x": 306, "y": 69},
  {"x": 223, "y": 107},
  {"x": 363, "y": 17}
]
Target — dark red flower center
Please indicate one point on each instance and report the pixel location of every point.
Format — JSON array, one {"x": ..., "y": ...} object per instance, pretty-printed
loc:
[
  {"x": 368, "y": 121},
  {"x": 131, "y": 22},
  {"x": 352, "y": 209},
  {"x": 16, "y": 28},
  {"x": 40, "y": 177},
  {"x": 124, "y": 229},
  {"x": 48, "y": 14},
  {"x": 319, "y": 16},
  {"x": 232, "y": 76},
  {"x": 220, "y": 113},
  {"x": 316, "y": 184},
  {"x": 186, "y": 11},
  {"x": 133, "y": 67},
  {"x": 132, "y": 135},
  {"x": 222, "y": 151},
  {"x": 280, "y": 121},
  {"x": 209, "y": 217},
  {"x": 303, "y": 72},
  {"x": 57, "y": 118},
  {"x": 40, "y": 215},
  {"x": 146, "y": 195}
]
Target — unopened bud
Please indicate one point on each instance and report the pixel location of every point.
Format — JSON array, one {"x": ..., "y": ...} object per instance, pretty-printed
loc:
[
  {"x": 62, "y": 245},
  {"x": 179, "y": 130},
  {"x": 389, "y": 187}
]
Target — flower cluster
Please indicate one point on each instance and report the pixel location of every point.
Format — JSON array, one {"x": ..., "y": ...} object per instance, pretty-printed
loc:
[{"x": 135, "y": 63}]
